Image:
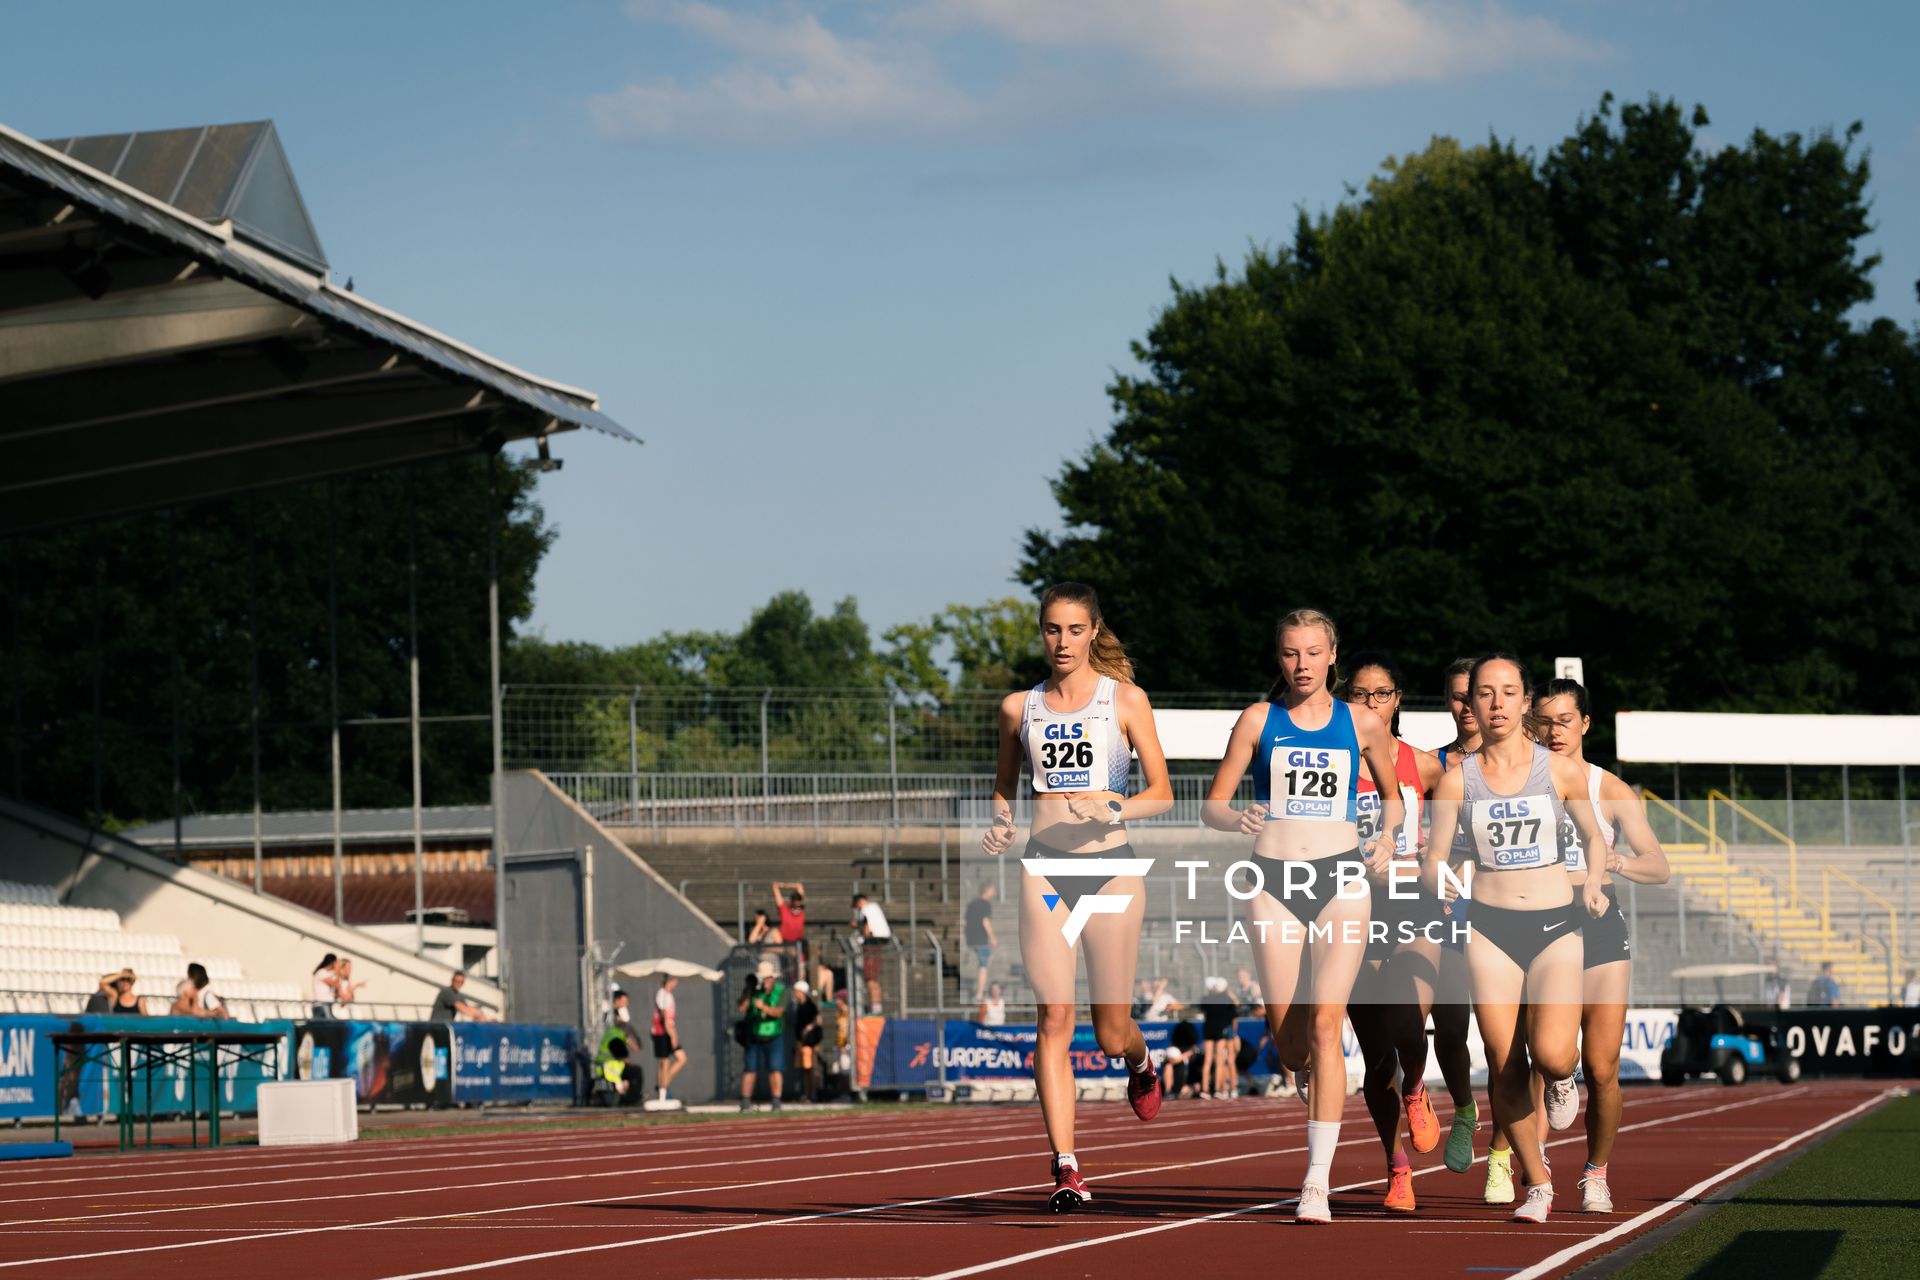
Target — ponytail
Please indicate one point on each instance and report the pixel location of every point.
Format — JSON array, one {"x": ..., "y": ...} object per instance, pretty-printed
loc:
[{"x": 1106, "y": 654}]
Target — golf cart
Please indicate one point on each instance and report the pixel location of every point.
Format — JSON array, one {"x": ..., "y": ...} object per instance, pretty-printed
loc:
[{"x": 1720, "y": 1042}]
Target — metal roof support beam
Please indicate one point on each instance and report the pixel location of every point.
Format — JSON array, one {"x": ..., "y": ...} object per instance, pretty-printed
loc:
[
  {"x": 200, "y": 435},
  {"x": 69, "y": 401}
]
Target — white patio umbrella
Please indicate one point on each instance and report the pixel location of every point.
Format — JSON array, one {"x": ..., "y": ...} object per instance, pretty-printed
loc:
[{"x": 666, "y": 965}]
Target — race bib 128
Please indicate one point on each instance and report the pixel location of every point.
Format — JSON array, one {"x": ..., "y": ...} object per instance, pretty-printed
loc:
[{"x": 1310, "y": 784}]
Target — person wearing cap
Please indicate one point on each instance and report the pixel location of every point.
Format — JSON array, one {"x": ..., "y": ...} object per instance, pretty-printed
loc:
[
  {"x": 764, "y": 1006},
  {"x": 806, "y": 1039}
]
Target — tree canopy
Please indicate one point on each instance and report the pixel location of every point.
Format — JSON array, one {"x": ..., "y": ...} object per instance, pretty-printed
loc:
[{"x": 1617, "y": 402}]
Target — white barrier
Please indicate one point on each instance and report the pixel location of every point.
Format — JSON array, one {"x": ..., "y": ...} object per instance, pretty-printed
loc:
[{"x": 300, "y": 1113}]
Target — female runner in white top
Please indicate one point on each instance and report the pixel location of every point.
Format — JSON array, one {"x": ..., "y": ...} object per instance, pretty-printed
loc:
[{"x": 1077, "y": 732}]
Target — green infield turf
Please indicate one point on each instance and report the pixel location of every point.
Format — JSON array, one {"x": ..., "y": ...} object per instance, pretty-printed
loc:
[{"x": 1848, "y": 1208}]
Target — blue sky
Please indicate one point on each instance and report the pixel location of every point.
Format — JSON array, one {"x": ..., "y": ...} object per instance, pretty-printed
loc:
[{"x": 860, "y": 272}]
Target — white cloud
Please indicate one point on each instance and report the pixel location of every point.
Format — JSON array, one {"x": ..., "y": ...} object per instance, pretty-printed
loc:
[{"x": 792, "y": 76}]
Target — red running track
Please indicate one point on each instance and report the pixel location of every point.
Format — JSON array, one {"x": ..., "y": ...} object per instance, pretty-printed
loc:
[{"x": 944, "y": 1192}]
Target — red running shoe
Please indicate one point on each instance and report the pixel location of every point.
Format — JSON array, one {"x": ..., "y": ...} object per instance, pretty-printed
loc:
[
  {"x": 1069, "y": 1189},
  {"x": 1143, "y": 1091}
]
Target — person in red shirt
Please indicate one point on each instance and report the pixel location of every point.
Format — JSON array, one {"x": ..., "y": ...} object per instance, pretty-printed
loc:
[{"x": 791, "y": 897}]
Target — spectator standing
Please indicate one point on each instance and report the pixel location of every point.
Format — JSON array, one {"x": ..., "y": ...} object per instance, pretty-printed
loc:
[
  {"x": 125, "y": 1004},
  {"x": 194, "y": 997},
  {"x": 806, "y": 1040},
  {"x": 1217, "y": 1070},
  {"x": 348, "y": 988},
  {"x": 451, "y": 1003},
  {"x": 993, "y": 1008},
  {"x": 1910, "y": 994},
  {"x": 765, "y": 1008},
  {"x": 790, "y": 897},
  {"x": 980, "y": 936},
  {"x": 101, "y": 1001},
  {"x": 1824, "y": 991},
  {"x": 668, "y": 1056},
  {"x": 325, "y": 985},
  {"x": 877, "y": 935}
]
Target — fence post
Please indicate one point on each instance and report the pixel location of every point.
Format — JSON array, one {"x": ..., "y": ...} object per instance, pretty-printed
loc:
[
  {"x": 765, "y": 779},
  {"x": 1682, "y": 900},
  {"x": 1906, "y": 868},
  {"x": 1790, "y": 802},
  {"x": 893, "y": 766},
  {"x": 1846, "y": 807},
  {"x": 633, "y": 755},
  {"x": 653, "y": 803},
  {"x": 740, "y": 907},
  {"x": 1676, "y": 805},
  {"x": 1733, "y": 793},
  {"x": 943, "y": 861}
]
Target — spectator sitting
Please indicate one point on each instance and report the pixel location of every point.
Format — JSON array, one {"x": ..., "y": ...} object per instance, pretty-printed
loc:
[
  {"x": 993, "y": 1008},
  {"x": 979, "y": 935},
  {"x": 116, "y": 997},
  {"x": 349, "y": 989},
  {"x": 1163, "y": 1003},
  {"x": 793, "y": 924},
  {"x": 1824, "y": 991},
  {"x": 194, "y": 999},
  {"x": 326, "y": 988},
  {"x": 617, "y": 1070},
  {"x": 451, "y": 1004},
  {"x": 1910, "y": 993},
  {"x": 1143, "y": 1001},
  {"x": 761, "y": 932}
]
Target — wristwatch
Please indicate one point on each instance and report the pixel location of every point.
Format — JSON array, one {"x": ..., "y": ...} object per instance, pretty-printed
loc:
[{"x": 1113, "y": 813}]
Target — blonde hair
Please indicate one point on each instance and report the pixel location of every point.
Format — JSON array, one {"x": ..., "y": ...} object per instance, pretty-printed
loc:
[
  {"x": 1306, "y": 618},
  {"x": 1106, "y": 654}
]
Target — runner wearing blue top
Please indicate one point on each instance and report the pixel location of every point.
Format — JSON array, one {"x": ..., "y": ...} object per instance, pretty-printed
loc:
[
  {"x": 1309, "y": 897},
  {"x": 1504, "y": 805},
  {"x": 1077, "y": 733}
]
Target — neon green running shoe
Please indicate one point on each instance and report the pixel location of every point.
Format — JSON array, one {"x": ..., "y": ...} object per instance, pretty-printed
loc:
[
  {"x": 1499, "y": 1177},
  {"x": 1466, "y": 1123}
]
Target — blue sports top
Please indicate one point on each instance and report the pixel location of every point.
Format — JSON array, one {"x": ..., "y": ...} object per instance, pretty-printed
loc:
[{"x": 1306, "y": 775}]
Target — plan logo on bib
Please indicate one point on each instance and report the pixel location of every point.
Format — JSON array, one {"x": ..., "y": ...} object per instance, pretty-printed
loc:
[{"x": 1083, "y": 907}]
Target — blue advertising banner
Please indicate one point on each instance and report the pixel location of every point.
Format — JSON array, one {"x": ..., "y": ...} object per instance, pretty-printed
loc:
[
  {"x": 33, "y": 1084},
  {"x": 391, "y": 1063},
  {"x": 511, "y": 1063}
]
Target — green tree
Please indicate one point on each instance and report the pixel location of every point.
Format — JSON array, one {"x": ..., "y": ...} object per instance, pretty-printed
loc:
[{"x": 1543, "y": 406}]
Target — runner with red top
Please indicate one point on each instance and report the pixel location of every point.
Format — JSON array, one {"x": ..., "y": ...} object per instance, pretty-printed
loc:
[
  {"x": 1565, "y": 719},
  {"x": 1308, "y": 905},
  {"x": 1077, "y": 731},
  {"x": 1395, "y": 989}
]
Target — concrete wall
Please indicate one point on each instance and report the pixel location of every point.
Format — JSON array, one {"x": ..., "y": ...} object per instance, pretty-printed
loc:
[
  {"x": 631, "y": 907},
  {"x": 274, "y": 941}
]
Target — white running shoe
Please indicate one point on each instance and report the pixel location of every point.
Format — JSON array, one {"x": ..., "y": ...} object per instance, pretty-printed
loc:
[
  {"x": 1537, "y": 1205},
  {"x": 1595, "y": 1195},
  {"x": 1563, "y": 1103},
  {"x": 1313, "y": 1205}
]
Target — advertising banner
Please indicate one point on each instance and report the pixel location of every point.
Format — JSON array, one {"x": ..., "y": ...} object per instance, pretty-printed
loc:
[
  {"x": 1847, "y": 1042},
  {"x": 391, "y": 1063},
  {"x": 28, "y": 1070},
  {"x": 510, "y": 1063}
]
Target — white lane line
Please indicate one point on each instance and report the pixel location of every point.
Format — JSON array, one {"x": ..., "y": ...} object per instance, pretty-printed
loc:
[
  {"x": 801, "y": 1219},
  {"x": 1693, "y": 1192},
  {"x": 575, "y": 1201},
  {"x": 1070, "y": 1247},
  {"x": 339, "y": 1170}
]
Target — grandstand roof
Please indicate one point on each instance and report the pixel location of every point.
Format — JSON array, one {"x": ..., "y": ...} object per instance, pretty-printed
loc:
[
  {"x": 154, "y": 353},
  {"x": 311, "y": 827}
]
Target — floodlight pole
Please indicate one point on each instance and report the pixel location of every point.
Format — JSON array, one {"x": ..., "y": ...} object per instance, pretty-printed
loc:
[
  {"x": 253, "y": 693},
  {"x": 173, "y": 646},
  {"x": 333, "y": 683},
  {"x": 499, "y": 756},
  {"x": 413, "y": 712}
]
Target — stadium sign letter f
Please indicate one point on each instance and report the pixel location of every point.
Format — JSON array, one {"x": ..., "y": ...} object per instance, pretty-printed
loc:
[{"x": 1088, "y": 905}]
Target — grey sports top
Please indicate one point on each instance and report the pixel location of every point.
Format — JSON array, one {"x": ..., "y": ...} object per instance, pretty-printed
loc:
[{"x": 1510, "y": 832}]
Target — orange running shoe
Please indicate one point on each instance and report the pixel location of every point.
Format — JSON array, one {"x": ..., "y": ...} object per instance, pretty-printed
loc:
[
  {"x": 1400, "y": 1189},
  {"x": 1422, "y": 1125}
]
